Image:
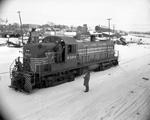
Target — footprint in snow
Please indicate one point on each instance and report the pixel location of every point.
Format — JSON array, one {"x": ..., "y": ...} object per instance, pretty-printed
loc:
[
  {"x": 138, "y": 113},
  {"x": 145, "y": 78},
  {"x": 132, "y": 91}
]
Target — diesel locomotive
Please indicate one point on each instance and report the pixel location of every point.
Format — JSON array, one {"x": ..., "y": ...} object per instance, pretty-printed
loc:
[{"x": 57, "y": 59}]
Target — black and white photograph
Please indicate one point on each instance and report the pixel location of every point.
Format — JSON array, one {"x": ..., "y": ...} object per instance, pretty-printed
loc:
[{"x": 74, "y": 59}]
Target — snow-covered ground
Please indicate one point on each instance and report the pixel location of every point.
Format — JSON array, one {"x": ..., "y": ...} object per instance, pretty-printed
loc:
[
  {"x": 136, "y": 39},
  {"x": 119, "y": 93}
]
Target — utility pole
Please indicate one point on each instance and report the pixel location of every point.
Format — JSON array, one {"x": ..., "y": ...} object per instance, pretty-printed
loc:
[
  {"x": 109, "y": 26},
  {"x": 113, "y": 28},
  {"x": 20, "y": 26}
]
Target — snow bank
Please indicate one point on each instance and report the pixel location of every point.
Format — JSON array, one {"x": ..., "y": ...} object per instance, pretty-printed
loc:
[
  {"x": 3, "y": 40},
  {"x": 8, "y": 55}
]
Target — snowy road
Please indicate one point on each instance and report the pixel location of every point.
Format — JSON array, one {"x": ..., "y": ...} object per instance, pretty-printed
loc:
[{"x": 119, "y": 93}]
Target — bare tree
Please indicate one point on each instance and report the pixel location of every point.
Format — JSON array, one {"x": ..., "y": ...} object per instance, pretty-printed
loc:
[{"x": 2, "y": 21}]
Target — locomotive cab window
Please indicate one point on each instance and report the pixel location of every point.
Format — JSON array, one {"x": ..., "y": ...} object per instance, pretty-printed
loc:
[{"x": 71, "y": 49}]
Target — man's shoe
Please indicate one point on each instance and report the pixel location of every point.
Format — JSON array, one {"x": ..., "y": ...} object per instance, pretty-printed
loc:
[{"x": 85, "y": 91}]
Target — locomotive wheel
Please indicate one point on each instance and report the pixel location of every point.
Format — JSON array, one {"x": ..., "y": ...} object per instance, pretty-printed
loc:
[
  {"x": 115, "y": 62},
  {"x": 71, "y": 78},
  {"x": 79, "y": 72},
  {"x": 101, "y": 67},
  {"x": 47, "y": 83}
]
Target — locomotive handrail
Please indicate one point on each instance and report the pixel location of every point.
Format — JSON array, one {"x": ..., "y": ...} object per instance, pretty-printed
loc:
[
  {"x": 13, "y": 63},
  {"x": 10, "y": 68}
]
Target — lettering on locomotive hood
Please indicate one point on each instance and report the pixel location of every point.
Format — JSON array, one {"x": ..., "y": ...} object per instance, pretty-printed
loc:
[
  {"x": 71, "y": 57},
  {"x": 50, "y": 56}
]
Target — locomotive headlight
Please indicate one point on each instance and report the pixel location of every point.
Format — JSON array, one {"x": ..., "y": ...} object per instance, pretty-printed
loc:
[{"x": 27, "y": 51}]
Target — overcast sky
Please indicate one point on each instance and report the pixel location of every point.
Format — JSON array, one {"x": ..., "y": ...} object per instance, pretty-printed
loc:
[{"x": 125, "y": 14}]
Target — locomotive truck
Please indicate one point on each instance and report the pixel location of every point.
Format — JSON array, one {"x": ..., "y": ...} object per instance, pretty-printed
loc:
[{"x": 58, "y": 59}]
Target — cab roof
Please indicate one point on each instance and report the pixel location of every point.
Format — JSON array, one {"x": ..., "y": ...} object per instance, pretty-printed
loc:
[{"x": 57, "y": 39}]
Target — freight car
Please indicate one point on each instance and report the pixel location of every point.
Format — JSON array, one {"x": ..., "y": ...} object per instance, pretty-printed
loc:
[{"x": 57, "y": 59}]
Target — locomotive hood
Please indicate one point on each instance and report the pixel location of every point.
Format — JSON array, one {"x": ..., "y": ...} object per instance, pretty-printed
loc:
[
  {"x": 59, "y": 39},
  {"x": 38, "y": 50},
  {"x": 48, "y": 44}
]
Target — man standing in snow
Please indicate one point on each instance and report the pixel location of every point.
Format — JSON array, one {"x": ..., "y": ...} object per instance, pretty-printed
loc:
[{"x": 86, "y": 81}]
